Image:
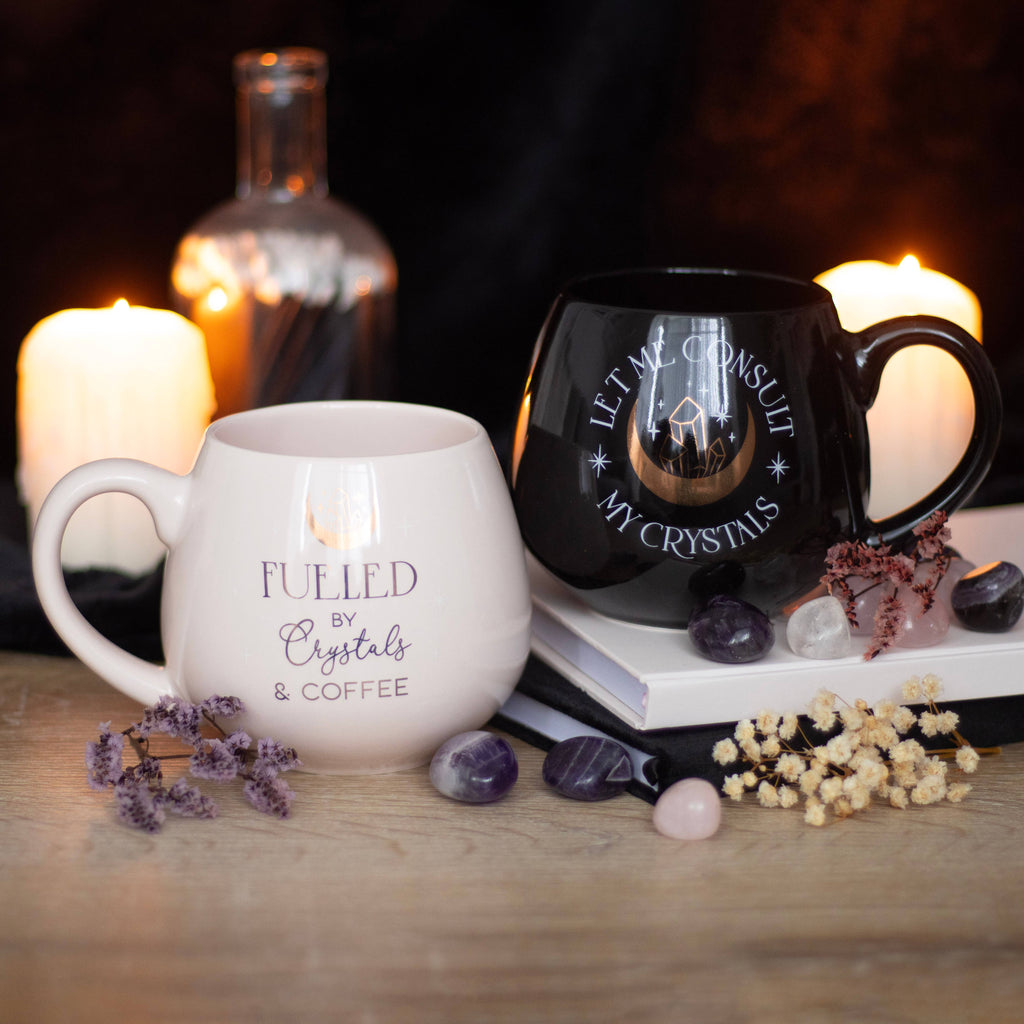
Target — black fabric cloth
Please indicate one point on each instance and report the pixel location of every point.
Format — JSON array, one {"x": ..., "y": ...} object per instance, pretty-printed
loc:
[{"x": 125, "y": 609}]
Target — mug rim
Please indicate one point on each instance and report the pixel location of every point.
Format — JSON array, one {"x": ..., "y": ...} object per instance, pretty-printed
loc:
[
  {"x": 455, "y": 430},
  {"x": 816, "y": 293}
]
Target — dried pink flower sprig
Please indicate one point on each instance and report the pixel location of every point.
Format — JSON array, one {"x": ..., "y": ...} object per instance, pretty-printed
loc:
[
  {"x": 868, "y": 755},
  {"x": 142, "y": 798},
  {"x": 881, "y": 566}
]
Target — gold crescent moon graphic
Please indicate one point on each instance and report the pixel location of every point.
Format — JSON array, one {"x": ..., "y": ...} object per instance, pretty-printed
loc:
[{"x": 689, "y": 491}]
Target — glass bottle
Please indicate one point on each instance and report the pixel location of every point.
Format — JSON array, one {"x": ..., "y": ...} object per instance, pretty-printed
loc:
[{"x": 293, "y": 289}]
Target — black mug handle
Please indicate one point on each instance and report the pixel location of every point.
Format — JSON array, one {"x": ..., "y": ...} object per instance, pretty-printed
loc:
[{"x": 874, "y": 347}]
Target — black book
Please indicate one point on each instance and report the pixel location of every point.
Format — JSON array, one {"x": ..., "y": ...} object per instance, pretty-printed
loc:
[{"x": 546, "y": 708}]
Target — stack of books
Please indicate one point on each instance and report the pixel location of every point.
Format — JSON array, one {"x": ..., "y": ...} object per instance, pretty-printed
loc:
[{"x": 647, "y": 687}]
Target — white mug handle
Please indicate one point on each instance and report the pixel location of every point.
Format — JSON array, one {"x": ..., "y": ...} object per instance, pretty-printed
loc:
[{"x": 165, "y": 494}]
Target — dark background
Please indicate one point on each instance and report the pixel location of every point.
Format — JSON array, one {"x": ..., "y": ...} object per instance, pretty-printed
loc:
[{"x": 505, "y": 148}]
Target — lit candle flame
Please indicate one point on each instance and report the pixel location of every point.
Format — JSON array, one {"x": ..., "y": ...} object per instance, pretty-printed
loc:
[
  {"x": 910, "y": 264},
  {"x": 121, "y": 305},
  {"x": 217, "y": 298}
]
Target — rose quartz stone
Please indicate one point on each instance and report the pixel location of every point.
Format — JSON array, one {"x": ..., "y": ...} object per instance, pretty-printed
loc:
[{"x": 688, "y": 809}]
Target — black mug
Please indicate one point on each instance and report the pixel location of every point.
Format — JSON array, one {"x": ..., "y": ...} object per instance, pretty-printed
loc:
[{"x": 687, "y": 432}]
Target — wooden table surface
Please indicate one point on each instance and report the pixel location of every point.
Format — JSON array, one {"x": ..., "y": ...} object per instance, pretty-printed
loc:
[{"x": 380, "y": 900}]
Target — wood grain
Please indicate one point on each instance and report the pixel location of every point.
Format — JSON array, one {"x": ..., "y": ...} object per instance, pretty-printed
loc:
[{"x": 381, "y": 901}]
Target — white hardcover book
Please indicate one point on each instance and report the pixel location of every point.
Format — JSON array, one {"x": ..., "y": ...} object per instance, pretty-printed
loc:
[{"x": 652, "y": 678}]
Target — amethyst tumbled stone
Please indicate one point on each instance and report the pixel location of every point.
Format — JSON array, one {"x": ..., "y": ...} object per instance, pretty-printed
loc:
[
  {"x": 729, "y": 629},
  {"x": 989, "y": 599},
  {"x": 474, "y": 767},
  {"x": 587, "y": 768}
]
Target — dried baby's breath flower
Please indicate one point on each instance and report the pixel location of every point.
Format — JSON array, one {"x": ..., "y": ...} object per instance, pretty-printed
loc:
[
  {"x": 790, "y": 766},
  {"x": 957, "y": 791},
  {"x": 873, "y": 776},
  {"x": 907, "y": 753},
  {"x": 814, "y": 813},
  {"x": 831, "y": 789},
  {"x": 733, "y": 787},
  {"x": 856, "y": 792},
  {"x": 751, "y": 750},
  {"x": 866, "y": 755},
  {"x": 903, "y": 719},
  {"x": 810, "y": 781},
  {"x": 912, "y": 689},
  {"x": 931, "y": 789},
  {"x": 898, "y": 797},
  {"x": 724, "y": 752},
  {"x": 852, "y": 718},
  {"x": 839, "y": 749},
  {"x": 885, "y": 709},
  {"x": 822, "y": 710},
  {"x": 842, "y": 808},
  {"x": 789, "y": 725},
  {"x": 744, "y": 730}
]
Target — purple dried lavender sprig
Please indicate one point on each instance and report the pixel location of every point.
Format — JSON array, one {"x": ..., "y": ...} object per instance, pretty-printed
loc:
[
  {"x": 239, "y": 741},
  {"x": 138, "y": 805},
  {"x": 142, "y": 799},
  {"x": 189, "y": 801},
  {"x": 275, "y": 757},
  {"x": 222, "y": 707},
  {"x": 214, "y": 760},
  {"x": 270, "y": 794},
  {"x": 173, "y": 716},
  {"x": 149, "y": 770},
  {"x": 103, "y": 758}
]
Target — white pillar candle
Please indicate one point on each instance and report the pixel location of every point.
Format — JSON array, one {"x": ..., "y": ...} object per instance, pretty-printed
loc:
[
  {"x": 922, "y": 419},
  {"x": 125, "y": 382}
]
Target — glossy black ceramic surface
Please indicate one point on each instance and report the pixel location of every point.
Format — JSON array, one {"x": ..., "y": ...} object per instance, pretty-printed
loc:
[{"x": 690, "y": 432}]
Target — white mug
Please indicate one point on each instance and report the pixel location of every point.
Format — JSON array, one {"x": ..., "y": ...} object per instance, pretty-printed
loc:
[{"x": 353, "y": 571}]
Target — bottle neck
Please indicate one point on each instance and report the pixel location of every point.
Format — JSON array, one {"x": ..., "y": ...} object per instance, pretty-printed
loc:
[{"x": 282, "y": 124}]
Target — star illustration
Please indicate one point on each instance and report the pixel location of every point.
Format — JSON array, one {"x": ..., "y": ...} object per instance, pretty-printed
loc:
[
  {"x": 722, "y": 418},
  {"x": 778, "y": 467},
  {"x": 599, "y": 460}
]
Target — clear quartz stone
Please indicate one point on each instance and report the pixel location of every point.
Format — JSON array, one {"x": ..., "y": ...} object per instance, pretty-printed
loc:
[
  {"x": 869, "y": 594},
  {"x": 923, "y": 628},
  {"x": 819, "y": 629}
]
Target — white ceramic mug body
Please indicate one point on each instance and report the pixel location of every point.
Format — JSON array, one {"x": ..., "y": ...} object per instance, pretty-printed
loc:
[{"x": 353, "y": 571}]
